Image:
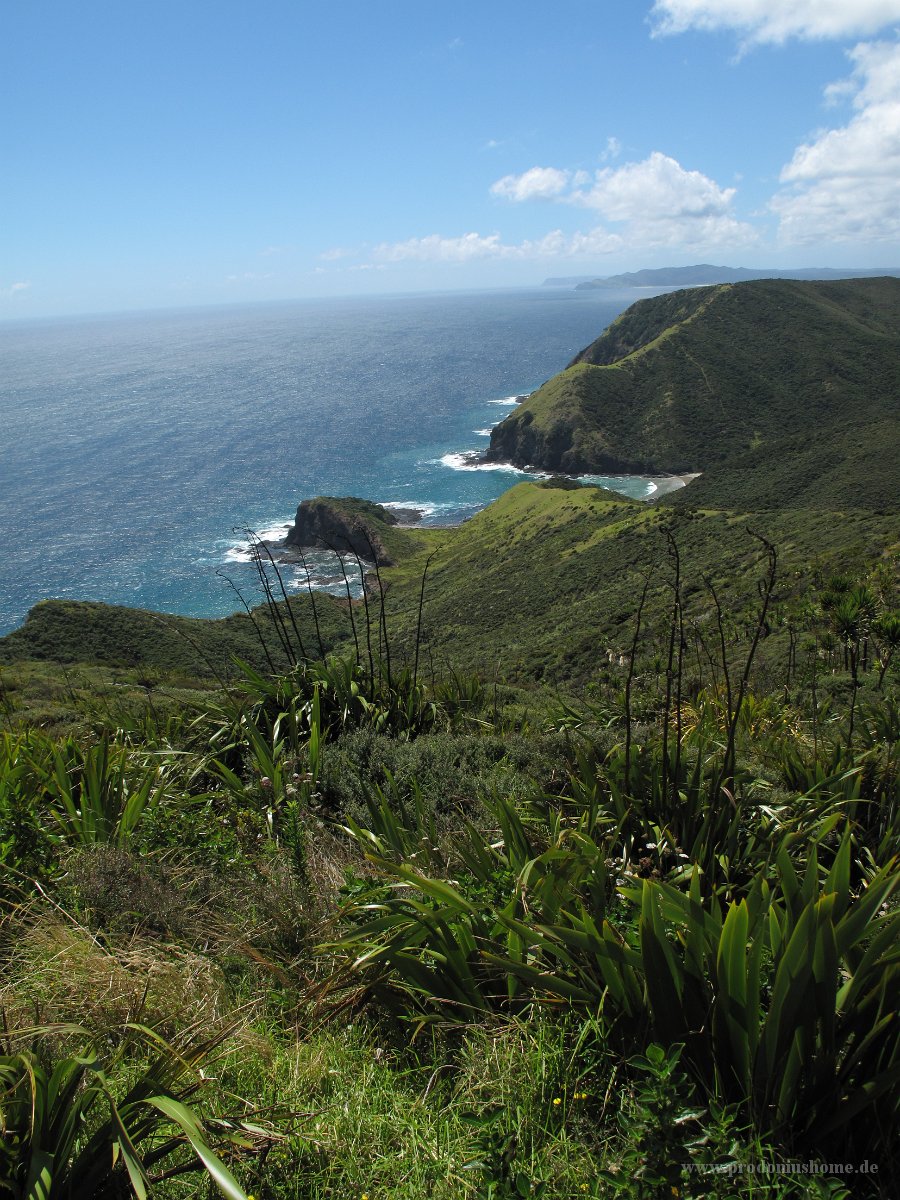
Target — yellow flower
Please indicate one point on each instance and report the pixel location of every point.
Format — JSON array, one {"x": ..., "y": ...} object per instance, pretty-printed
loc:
[{"x": 556, "y": 1102}]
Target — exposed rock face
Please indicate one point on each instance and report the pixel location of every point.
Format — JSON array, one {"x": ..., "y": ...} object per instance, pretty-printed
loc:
[
  {"x": 563, "y": 446},
  {"x": 345, "y": 525}
]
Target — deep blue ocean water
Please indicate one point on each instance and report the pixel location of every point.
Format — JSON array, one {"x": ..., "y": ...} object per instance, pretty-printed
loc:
[{"x": 133, "y": 446}]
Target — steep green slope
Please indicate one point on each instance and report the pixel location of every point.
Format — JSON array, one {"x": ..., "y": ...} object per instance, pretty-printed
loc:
[
  {"x": 850, "y": 466},
  {"x": 784, "y": 394},
  {"x": 687, "y": 381},
  {"x": 544, "y": 584}
]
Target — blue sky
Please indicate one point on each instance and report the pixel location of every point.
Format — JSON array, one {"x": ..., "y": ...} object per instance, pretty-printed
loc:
[{"x": 184, "y": 152}]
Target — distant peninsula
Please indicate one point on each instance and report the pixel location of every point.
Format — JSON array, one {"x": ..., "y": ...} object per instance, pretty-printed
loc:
[
  {"x": 701, "y": 274},
  {"x": 776, "y": 390}
]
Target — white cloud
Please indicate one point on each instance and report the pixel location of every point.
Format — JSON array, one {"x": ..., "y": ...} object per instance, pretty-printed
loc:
[
  {"x": 584, "y": 245},
  {"x": 656, "y": 204},
  {"x": 474, "y": 246},
  {"x": 660, "y": 203},
  {"x": 435, "y": 248},
  {"x": 613, "y": 149},
  {"x": 844, "y": 185},
  {"x": 336, "y": 253},
  {"x": 14, "y": 289},
  {"x": 777, "y": 20},
  {"x": 657, "y": 188},
  {"x": 538, "y": 183}
]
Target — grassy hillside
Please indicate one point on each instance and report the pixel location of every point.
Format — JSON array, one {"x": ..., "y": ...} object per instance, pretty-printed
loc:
[
  {"x": 691, "y": 380},
  {"x": 544, "y": 583},
  {"x": 540, "y": 586},
  {"x": 70, "y": 631},
  {"x": 851, "y": 465}
]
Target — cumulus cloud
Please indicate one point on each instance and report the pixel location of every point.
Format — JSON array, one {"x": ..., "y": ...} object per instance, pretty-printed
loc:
[
  {"x": 844, "y": 184},
  {"x": 538, "y": 183},
  {"x": 654, "y": 204},
  {"x": 658, "y": 187},
  {"x": 660, "y": 203},
  {"x": 435, "y": 248},
  {"x": 777, "y": 20},
  {"x": 472, "y": 246}
]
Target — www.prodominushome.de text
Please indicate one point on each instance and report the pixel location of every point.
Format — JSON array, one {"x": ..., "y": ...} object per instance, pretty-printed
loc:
[{"x": 791, "y": 1167}]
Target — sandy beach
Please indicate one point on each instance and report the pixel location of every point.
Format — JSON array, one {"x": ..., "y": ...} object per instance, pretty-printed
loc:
[{"x": 670, "y": 483}]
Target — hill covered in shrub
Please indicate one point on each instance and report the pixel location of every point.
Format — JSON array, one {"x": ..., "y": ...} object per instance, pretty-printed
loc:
[{"x": 696, "y": 380}]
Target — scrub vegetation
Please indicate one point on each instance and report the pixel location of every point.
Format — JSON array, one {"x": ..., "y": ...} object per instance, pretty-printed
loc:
[
  {"x": 714, "y": 378},
  {"x": 563, "y": 863}
]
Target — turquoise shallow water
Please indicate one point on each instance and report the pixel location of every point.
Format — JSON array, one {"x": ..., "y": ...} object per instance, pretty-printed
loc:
[{"x": 137, "y": 447}]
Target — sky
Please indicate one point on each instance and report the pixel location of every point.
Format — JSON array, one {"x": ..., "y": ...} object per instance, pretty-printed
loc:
[{"x": 178, "y": 152}]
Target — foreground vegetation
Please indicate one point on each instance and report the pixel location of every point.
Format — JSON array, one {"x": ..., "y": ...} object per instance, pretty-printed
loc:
[{"x": 371, "y": 927}]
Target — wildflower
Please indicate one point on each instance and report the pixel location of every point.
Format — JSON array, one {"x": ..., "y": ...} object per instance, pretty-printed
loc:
[
  {"x": 556, "y": 1101},
  {"x": 265, "y": 782}
]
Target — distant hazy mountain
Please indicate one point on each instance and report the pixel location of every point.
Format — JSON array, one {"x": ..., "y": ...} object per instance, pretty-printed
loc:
[
  {"x": 705, "y": 273},
  {"x": 568, "y": 280}
]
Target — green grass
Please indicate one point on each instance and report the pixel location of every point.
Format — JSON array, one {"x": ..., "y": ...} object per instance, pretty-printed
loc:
[{"x": 543, "y": 584}]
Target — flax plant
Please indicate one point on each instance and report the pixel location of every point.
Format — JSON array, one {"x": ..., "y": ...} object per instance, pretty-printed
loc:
[{"x": 72, "y": 1126}]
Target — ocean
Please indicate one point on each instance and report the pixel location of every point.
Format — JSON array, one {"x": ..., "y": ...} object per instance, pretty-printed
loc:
[{"x": 137, "y": 449}]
